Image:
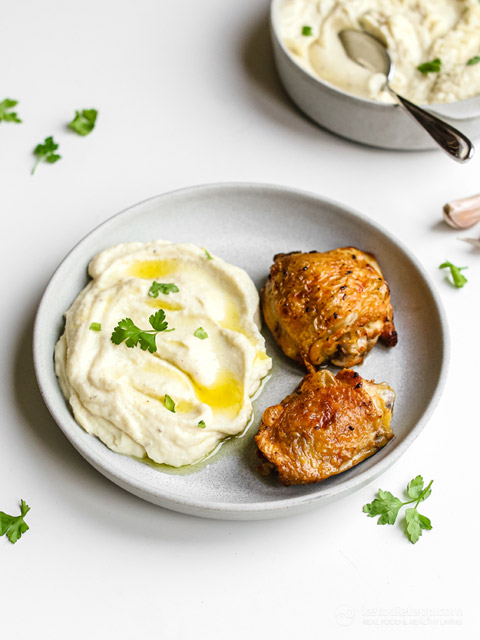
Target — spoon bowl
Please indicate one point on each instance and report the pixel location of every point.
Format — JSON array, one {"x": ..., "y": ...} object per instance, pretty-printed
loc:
[{"x": 367, "y": 51}]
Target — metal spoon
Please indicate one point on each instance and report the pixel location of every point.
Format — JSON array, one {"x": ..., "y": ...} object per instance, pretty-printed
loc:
[{"x": 369, "y": 52}]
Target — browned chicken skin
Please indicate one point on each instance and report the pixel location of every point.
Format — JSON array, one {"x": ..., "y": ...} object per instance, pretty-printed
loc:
[
  {"x": 329, "y": 424},
  {"x": 328, "y": 307}
]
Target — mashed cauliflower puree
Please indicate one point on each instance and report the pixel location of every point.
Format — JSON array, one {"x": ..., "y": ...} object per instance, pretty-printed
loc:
[
  {"x": 414, "y": 31},
  {"x": 119, "y": 393}
]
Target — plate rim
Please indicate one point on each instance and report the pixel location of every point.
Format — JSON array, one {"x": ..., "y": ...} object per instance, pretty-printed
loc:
[{"x": 241, "y": 510}]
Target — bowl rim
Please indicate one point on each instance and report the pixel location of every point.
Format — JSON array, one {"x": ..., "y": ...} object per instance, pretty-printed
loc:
[
  {"x": 254, "y": 510},
  {"x": 373, "y": 104}
]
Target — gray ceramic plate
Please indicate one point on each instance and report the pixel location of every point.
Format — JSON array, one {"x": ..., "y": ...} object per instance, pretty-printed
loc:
[{"x": 247, "y": 224}]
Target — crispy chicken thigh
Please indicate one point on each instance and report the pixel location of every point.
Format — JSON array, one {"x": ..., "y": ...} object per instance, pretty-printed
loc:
[
  {"x": 328, "y": 307},
  {"x": 329, "y": 424}
]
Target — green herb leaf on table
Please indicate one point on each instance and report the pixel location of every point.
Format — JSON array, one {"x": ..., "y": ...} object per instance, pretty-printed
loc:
[
  {"x": 474, "y": 60},
  {"x": 46, "y": 152},
  {"x": 387, "y": 507},
  {"x": 414, "y": 523},
  {"x": 200, "y": 333},
  {"x": 457, "y": 277},
  {"x": 202, "y": 424},
  {"x": 127, "y": 331},
  {"x": 95, "y": 326},
  {"x": 415, "y": 489},
  {"x": 307, "y": 30},
  {"x": 162, "y": 287},
  {"x": 169, "y": 403},
  {"x": 6, "y": 115},
  {"x": 14, "y": 526},
  {"x": 434, "y": 66},
  {"x": 84, "y": 121}
]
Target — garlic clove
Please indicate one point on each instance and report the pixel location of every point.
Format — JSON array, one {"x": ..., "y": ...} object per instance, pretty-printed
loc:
[
  {"x": 475, "y": 242},
  {"x": 463, "y": 213}
]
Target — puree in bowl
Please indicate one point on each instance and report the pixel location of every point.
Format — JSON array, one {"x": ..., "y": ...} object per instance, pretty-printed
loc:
[
  {"x": 416, "y": 33},
  {"x": 175, "y": 402}
]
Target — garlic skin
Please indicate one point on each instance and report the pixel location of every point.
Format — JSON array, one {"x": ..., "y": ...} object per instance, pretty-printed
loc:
[
  {"x": 462, "y": 213},
  {"x": 475, "y": 242}
]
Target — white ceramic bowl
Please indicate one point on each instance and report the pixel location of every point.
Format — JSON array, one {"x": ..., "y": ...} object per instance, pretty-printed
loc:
[{"x": 359, "y": 119}]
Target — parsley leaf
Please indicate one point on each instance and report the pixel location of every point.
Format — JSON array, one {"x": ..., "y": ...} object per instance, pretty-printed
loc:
[
  {"x": 14, "y": 526},
  {"x": 162, "y": 287},
  {"x": 208, "y": 254},
  {"x": 387, "y": 507},
  {"x": 84, "y": 121},
  {"x": 458, "y": 278},
  {"x": 5, "y": 114},
  {"x": 474, "y": 60},
  {"x": 433, "y": 66},
  {"x": 95, "y": 326},
  {"x": 307, "y": 30},
  {"x": 200, "y": 333},
  {"x": 169, "y": 403},
  {"x": 415, "y": 487},
  {"x": 158, "y": 322},
  {"x": 202, "y": 424},
  {"x": 416, "y": 491},
  {"x": 126, "y": 331},
  {"x": 415, "y": 522},
  {"x": 45, "y": 152}
]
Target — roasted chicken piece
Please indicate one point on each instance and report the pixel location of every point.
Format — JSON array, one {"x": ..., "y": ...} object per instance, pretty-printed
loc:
[
  {"x": 329, "y": 424},
  {"x": 328, "y": 307}
]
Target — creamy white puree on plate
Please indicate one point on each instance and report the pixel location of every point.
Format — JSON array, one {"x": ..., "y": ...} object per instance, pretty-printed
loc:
[
  {"x": 414, "y": 31},
  {"x": 118, "y": 393}
]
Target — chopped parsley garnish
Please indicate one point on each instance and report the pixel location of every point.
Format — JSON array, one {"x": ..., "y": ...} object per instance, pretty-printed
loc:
[
  {"x": 83, "y": 122},
  {"x": 6, "y": 115},
  {"x": 169, "y": 403},
  {"x": 474, "y": 60},
  {"x": 162, "y": 287},
  {"x": 200, "y": 333},
  {"x": 46, "y": 152},
  {"x": 127, "y": 331},
  {"x": 202, "y": 424},
  {"x": 433, "y": 66},
  {"x": 14, "y": 526},
  {"x": 208, "y": 254},
  {"x": 458, "y": 278},
  {"x": 307, "y": 30},
  {"x": 95, "y": 326},
  {"x": 387, "y": 507}
]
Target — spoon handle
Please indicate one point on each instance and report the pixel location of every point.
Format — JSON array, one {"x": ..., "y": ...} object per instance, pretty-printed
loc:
[{"x": 455, "y": 143}]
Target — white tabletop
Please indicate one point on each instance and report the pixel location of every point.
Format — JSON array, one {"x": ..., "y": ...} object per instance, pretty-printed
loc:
[{"x": 187, "y": 94}]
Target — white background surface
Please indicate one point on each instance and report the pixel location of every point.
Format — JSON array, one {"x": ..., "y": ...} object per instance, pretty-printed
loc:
[{"x": 187, "y": 94}]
